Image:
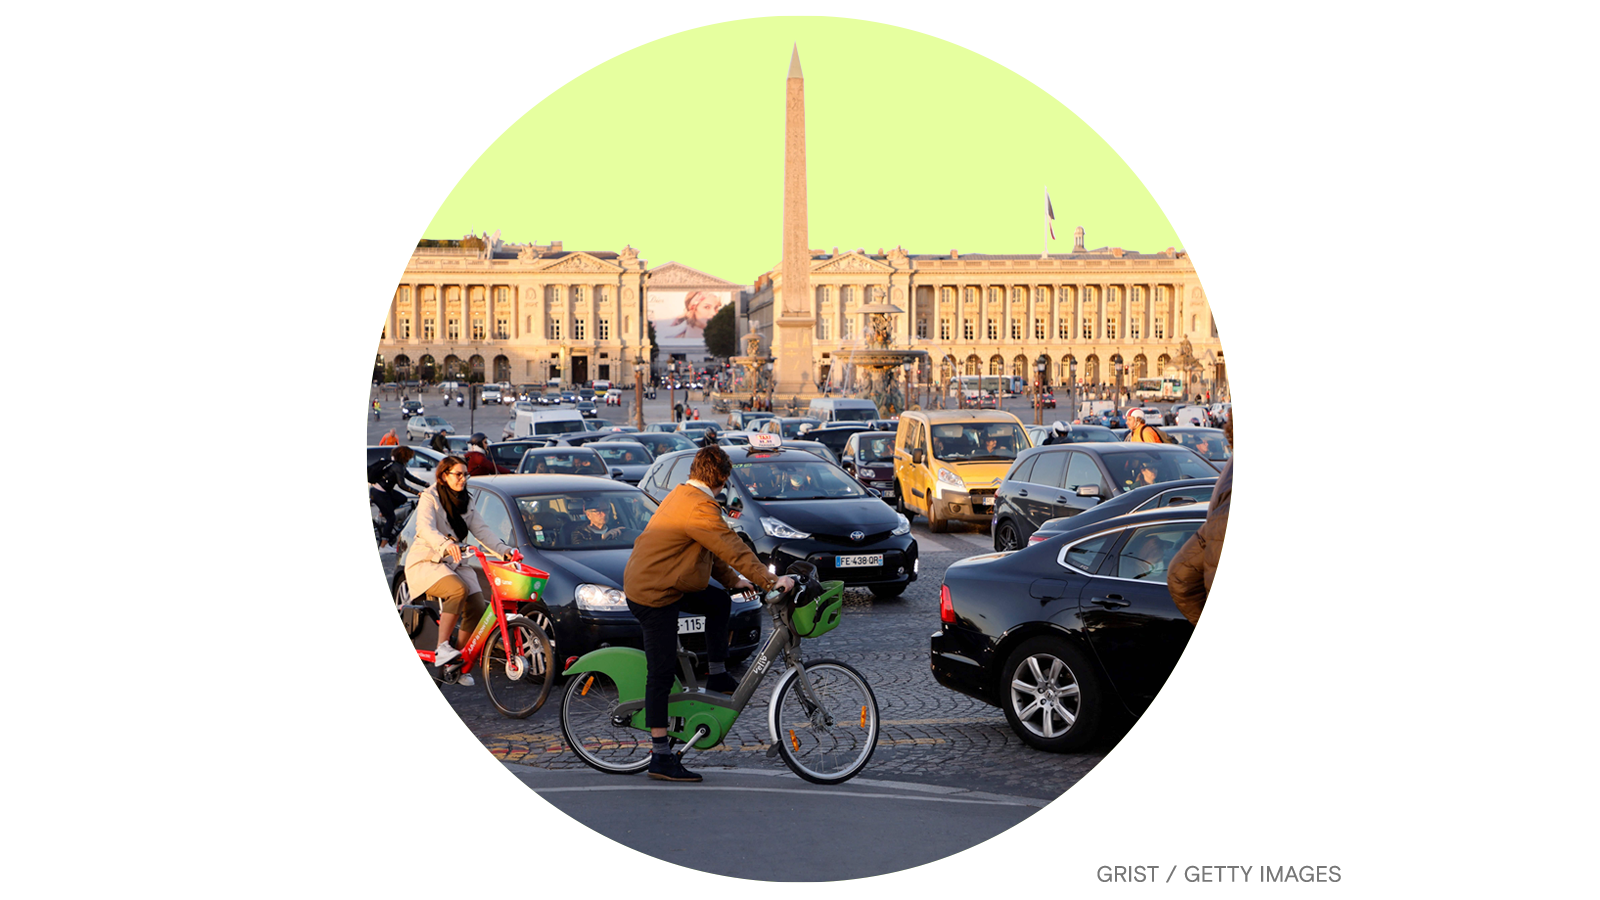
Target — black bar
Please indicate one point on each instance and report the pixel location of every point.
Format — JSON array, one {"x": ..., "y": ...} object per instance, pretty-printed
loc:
[
  {"x": 647, "y": 28},
  {"x": 1218, "y": 873}
]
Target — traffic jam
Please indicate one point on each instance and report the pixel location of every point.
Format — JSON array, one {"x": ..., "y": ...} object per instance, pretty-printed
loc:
[{"x": 1066, "y": 625}]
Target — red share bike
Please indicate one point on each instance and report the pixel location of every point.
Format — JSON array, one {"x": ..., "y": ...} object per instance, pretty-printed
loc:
[{"x": 519, "y": 665}]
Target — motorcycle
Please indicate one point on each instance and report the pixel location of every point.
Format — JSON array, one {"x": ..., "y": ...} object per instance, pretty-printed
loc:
[
  {"x": 375, "y": 414},
  {"x": 461, "y": 399}
]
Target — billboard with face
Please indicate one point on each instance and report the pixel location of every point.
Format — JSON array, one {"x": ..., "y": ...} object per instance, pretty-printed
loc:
[{"x": 680, "y": 316}]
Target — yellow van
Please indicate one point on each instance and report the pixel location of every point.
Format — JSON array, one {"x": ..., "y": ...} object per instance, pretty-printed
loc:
[{"x": 949, "y": 463}]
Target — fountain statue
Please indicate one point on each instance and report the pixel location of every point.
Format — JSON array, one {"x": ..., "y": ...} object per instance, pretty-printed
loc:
[{"x": 879, "y": 363}]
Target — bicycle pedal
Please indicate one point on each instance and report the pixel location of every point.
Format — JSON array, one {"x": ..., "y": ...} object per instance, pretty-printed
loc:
[{"x": 772, "y": 751}]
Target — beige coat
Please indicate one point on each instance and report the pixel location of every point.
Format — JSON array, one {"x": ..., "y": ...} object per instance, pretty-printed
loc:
[{"x": 426, "y": 559}]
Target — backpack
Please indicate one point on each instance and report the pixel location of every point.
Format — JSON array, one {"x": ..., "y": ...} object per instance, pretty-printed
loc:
[{"x": 379, "y": 473}]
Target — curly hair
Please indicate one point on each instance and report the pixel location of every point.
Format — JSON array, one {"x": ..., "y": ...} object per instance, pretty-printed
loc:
[
  {"x": 401, "y": 453},
  {"x": 711, "y": 466}
]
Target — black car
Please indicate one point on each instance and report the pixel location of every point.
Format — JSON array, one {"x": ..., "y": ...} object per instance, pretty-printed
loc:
[
  {"x": 587, "y": 409},
  {"x": 509, "y": 453},
  {"x": 582, "y": 609},
  {"x": 658, "y": 442},
  {"x": 869, "y": 456},
  {"x": 579, "y": 438},
  {"x": 833, "y": 434},
  {"x": 1182, "y": 492},
  {"x": 791, "y": 506},
  {"x": 1060, "y": 633},
  {"x": 1064, "y": 480},
  {"x": 563, "y": 461},
  {"x": 410, "y": 408}
]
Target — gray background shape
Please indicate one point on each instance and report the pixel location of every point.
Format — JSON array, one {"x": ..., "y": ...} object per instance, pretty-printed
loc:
[{"x": 293, "y": 719}]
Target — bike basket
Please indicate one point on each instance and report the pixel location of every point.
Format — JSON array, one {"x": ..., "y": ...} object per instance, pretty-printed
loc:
[
  {"x": 820, "y": 616},
  {"x": 515, "y": 582}
]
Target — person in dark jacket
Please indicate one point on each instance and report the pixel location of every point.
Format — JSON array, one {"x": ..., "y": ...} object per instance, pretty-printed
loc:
[
  {"x": 387, "y": 493},
  {"x": 440, "y": 443},
  {"x": 1195, "y": 565}
]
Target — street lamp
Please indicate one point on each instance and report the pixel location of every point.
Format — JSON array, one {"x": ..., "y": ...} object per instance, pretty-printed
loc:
[
  {"x": 1072, "y": 380},
  {"x": 1116, "y": 366},
  {"x": 1039, "y": 366}
]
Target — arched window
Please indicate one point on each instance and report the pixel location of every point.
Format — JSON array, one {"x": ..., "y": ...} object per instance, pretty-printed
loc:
[
  {"x": 974, "y": 365},
  {"x": 997, "y": 365}
]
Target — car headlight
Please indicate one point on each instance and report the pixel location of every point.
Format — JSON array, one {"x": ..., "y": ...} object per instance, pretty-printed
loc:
[
  {"x": 776, "y": 528},
  {"x": 903, "y": 527},
  {"x": 594, "y": 597},
  {"x": 948, "y": 477}
]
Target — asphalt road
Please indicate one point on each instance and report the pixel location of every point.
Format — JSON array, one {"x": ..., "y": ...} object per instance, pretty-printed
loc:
[{"x": 947, "y": 773}]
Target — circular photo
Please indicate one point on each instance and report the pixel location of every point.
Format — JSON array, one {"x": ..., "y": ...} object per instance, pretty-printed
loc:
[{"x": 804, "y": 433}]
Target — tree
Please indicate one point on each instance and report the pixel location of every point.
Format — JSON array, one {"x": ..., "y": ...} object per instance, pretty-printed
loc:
[
  {"x": 655, "y": 348},
  {"x": 720, "y": 339}
]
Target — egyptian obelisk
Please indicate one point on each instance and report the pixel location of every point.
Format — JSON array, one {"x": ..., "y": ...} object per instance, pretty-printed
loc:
[{"x": 795, "y": 321}]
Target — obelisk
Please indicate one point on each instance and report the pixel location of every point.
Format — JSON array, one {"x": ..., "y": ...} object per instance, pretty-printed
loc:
[{"x": 795, "y": 322}]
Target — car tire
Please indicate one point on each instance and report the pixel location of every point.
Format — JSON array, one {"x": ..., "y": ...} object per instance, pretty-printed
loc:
[
  {"x": 1044, "y": 682},
  {"x": 411, "y": 619},
  {"x": 887, "y": 591},
  {"x": 1006, "y": 537},
  {"x": 936, "y": 524},
  {"x": 900, "y": 503}
]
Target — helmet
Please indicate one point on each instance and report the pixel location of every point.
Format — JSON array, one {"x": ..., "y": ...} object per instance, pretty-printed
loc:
[
  {"x": 478, "y": 438},
  {"x": 1136, "y": 413},
  {"x": 1059, "y": 427}
]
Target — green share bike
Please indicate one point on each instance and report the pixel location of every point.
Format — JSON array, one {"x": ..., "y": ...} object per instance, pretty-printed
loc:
[{"x": 823, "y": 716}]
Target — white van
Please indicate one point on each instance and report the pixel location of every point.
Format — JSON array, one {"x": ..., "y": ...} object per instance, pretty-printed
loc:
[
  {"x": 842, "y": 409},
  {"x": 543, "y": 422}
]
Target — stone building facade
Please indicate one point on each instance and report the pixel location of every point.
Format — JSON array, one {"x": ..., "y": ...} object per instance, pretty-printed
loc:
[
  {"x": 523, "y": 313},
  {"x": 995, "y": 314}
]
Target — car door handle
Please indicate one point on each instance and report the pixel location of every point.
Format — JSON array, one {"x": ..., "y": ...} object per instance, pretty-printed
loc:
[
  {"x": 1110, "y": 601},
  {"x": 1022, "y": 493}
]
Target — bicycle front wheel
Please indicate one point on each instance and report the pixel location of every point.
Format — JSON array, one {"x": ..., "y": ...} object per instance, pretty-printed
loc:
[
  {"x": 587, "y": 708},
  {"x": 518, "y": 681},
  {"x": 831, "y": 743}
]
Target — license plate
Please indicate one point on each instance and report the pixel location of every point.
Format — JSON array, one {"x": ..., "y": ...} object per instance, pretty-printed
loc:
[
  {"x": 888, "y": 492},
  {"x": 691, "y": 624},
  {"x": 986, "y": 501},
  {"x": 859, "y": 562}
]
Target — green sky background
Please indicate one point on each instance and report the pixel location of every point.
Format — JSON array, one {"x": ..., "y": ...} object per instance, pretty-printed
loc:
[{"x": 676, "y": 147}]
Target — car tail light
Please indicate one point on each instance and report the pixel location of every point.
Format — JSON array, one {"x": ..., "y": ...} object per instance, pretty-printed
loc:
[
  {"x": 1035, "y": 538},
  {"x": 947, "y": 610}
]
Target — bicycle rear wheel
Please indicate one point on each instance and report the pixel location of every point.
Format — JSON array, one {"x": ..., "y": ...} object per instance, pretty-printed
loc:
[
  {"x": 832, "y": 743},
  {"x": 518, "y": 682},
  {"x": 586, "y": 711}
]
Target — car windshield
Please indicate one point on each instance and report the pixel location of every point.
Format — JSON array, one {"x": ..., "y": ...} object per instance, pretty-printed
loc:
[
  {"x": 854, "y": 415},
  {"x": 876, "y": 449},
  {"x": 660, "y": 443},
  {"x": 588, "y": 520},
  {"x": 1091, "y": 435},
  {"x": 1209, "y": 443},
  {"x": 693, "y": 426},
  {"x": 795, "y": 479},
  {"x": 622, "y": 456},
  {"x": 791, "y": 428},
  {"x": 1141, "y": 467},
  {"x": 977, "y": 441},
  {"x": 563, "y": 462}
]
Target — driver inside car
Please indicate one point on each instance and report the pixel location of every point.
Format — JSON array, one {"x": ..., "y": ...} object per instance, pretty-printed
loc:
[{"x": 598, "y": 530}]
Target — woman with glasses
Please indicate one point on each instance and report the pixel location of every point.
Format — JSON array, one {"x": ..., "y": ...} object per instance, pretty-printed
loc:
[{"x": 434, "y": 562}]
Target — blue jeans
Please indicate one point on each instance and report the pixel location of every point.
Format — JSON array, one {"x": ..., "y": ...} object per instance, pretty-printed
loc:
[{"x": 660, "y": 625}]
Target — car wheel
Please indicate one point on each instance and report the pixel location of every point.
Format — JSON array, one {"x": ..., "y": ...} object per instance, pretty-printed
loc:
[
  {"x": 1052, "y": 695},
  {"x": 410, "y": 618},
  {"x": 900, "y": 503},
  {"x": 936, "y": 523},
  {"x": 887, "y": 591},
  {"x": 1005, "y": 537}
]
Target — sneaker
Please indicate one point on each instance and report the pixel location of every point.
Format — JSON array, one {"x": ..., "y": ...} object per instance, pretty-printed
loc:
[
  {"x": 667, "y": 767},
  {"x": 465, "y": 680},
  {"x": 722, "y": 683},
  {"x": 445, "y": 654}
]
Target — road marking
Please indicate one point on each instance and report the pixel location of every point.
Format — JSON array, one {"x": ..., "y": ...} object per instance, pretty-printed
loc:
[{"x": 1036, "y": 804}]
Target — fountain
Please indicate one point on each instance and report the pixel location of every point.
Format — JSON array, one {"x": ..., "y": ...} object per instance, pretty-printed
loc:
[
  {"x": 752, "y": 372},
  {"x": 879, "y": 362}
]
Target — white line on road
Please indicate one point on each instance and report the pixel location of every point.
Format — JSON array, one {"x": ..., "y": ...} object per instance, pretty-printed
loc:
[{"x": 818, "y": 793}]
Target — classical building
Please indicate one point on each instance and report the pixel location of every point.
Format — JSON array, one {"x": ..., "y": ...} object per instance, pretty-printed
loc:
[
  {"x": 532, "y": 312},
  {"x": 995, "y": 314}
]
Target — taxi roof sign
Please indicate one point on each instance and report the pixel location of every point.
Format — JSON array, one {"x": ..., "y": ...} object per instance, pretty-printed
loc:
[{"x": 765, "y": 440}]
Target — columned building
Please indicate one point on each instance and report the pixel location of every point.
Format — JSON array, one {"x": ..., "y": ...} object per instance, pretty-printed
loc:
[
  {"x": 1087, "y": 311},
  {"x": 522, "y": 313}
]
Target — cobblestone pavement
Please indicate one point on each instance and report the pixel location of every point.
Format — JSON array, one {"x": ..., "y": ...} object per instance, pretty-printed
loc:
[{"x": 930, "y": 734}]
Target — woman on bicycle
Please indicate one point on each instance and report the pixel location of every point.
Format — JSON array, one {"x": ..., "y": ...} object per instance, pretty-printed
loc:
[
  {"x": 434, "y": 561},
  {"x": 388, "y": 491},
  {"x": 682, "y": 547}
]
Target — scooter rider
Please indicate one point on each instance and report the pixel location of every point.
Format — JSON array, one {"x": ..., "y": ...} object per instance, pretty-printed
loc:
[
  {"x": 684, "y": 545},
  {"x": 1060, "y": 433}
]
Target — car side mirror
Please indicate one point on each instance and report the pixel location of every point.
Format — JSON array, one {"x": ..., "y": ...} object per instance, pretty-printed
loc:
[
  {"x": 875, "y": 492},
  {"x": 917, "y": 456},
  {"x": 1088, "y": 490},
  {"x": 616, "y": 473}
]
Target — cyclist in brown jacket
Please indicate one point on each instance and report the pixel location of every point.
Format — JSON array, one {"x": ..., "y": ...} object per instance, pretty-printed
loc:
[{"x": 683, "y": 547}]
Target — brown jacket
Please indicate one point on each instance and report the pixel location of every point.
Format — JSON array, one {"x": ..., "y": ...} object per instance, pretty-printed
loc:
[
  {"x": 1195, "y": 565},
  {"x": 683, "y": 547}
]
